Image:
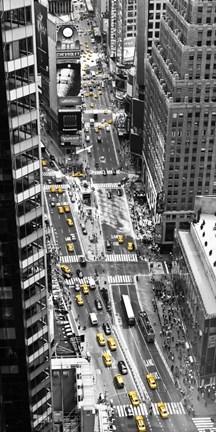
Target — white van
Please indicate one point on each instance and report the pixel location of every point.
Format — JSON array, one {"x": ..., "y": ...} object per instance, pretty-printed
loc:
[
  {"x": 92, "y": 283},
  {"x": 93, "y": 318}
]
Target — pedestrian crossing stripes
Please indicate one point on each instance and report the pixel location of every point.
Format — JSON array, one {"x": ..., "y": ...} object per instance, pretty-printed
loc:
[
  {"x": 49, "y": 173},
  {"x": 120, "y": 279},
  {"x": 100, "y": 172},
  {"x": 204, "y": 423},
  {"x": 121, "y": 258},
  {"x": 173, "y": 408},
  {"x": 75, "y": 280},
  {"x": 106, "y": 185},
  {"x": 69, "y": 258}
]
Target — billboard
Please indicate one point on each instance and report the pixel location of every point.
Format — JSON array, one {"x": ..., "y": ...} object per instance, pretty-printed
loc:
[
  {"x": 41, "y": 38},
  {"x": 69, "y": 120}
]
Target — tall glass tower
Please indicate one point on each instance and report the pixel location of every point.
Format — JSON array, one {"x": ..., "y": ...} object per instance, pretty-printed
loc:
[{"x": 25, "y": 379}]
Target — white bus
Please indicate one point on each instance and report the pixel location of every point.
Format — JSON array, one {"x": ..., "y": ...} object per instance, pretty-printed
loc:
[{"x": 128, "y": 310}]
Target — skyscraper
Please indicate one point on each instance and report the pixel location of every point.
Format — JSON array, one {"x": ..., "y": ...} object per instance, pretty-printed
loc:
[
  {"x": 25, "y": 384},
  {"x": 180, "y": 114}
]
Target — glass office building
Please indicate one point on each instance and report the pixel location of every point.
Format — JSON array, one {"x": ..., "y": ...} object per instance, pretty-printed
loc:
[{"x": 25, "y": 379}]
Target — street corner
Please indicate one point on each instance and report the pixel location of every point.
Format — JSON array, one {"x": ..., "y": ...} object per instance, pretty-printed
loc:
[{"x": 156, "y": 267}]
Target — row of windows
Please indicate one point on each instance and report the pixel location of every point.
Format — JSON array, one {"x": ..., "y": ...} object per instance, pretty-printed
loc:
[
  {"x": 17, "y": 49},
  {"x": 34, "y": 289},
  {"x": 26, "y": 158},
  {"x": 25, "y": 132},
  {"x": 32, "y": 248},
  {"x": 23, "y": 105},
  {"x": 30, "y": 271},
  {"x": 17, "y": 17},
  {"x": 26, "y": 182},
  {"x": 28, "y": 205},
  {"x": 21, "y": 77}
]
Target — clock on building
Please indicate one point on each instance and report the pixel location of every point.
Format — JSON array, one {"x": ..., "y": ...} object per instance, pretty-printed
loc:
[{"x": 67, "y": 32}]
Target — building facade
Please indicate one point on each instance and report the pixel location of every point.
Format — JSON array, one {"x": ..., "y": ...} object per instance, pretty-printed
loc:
[
  {"x": 180, "y": 115},
  {"x": 194, "y": 280},
  {"x": 26, "y": 401}
]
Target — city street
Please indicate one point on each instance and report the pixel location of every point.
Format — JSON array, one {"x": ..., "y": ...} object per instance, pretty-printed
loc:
[{"x": 115, "y": 268}]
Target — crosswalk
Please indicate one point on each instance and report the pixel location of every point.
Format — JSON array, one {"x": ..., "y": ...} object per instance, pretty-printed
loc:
[
  {"x": 173, "y": 408},
  {"x": 204, "y": 423},
  {"x": 49, "y": 173},
  {"x": 106, "y": 186},
  {"x": 69, "y": 258},
  {"x": 74, "y": 280},
  {"x": 119, "y": 279},
  {"x": 121, "y": 257},
  {"x": 100, "y": 172}
]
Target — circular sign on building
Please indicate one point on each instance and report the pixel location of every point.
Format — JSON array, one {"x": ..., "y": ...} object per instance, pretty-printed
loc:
[{"x": 67, "y": 32}]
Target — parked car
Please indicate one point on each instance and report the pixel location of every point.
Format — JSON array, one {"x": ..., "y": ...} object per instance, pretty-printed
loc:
[
  {"x": 106, "y": 328},
  {"x": 98, "y": 304},
  {"x": 79, "y": 273}
]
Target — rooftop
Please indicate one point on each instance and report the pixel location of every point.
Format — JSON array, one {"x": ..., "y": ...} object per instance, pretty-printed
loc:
[{"x": 201, "y": 263}]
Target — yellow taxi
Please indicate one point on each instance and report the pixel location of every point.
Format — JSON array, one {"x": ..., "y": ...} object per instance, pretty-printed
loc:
[
  {"x": 85, "y": 289},
  {"x": 106, "y": 111},
  {"x": 70, "y": 247},
  {"x": 69, "y": 222},
  {"x": 92, "y": 105},
  {"x": 92, "y": 81},
  {"x": 151, "y": 381},
  {"x": 78, "y": 174},
  {"x": 96, "y": 129},
  {"x": 52, "y": 189},
  {"x": 100, "y": 92},
  {"x": 67, "y": 208},
  {"x": 59, "y": 190},
  {"x": 44, "y": 163},
  {"x": 110, "y": 121},
  {"x": 162, "y": 410},
  {"x": 65, "y": 269},
  {"x": 60, "y": 209},
  {"x": 130, "y": 246},
  {"x": 86, "y": 43},
  {"x": 101, "y": 339},
  {"x": 85, "y": 85},
  {"x": 90, "y": 93},
  {"x": 120, "y": 238},
  {"x": 107, "y": 358},
  {"x": 79, "y": 299},
  {"x": 118, "y": 378},
  {"x": 140, "y": 423},
  {"x": 99, "y": 126},
  {"x": 112, "y": 343},
  {"x": 97, "y": 72},
  {"x": 86, "y": 94},
  {"x": 133, "y": 398},
  {"x": 95, "y": 96}
]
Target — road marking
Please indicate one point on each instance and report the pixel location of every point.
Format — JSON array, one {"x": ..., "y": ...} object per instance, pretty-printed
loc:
[
  {"x": 203, "y": 423},
  {"x": 100, "y": 172},
  {"x": 121, "y": 257},
  {"x": 63, "y": 186},
  {"x": 173, "y": 408},
  {"x": 120, "y": 279},
  {"x": 69, "y": 258},
  {"x": 106, "y": 185}
]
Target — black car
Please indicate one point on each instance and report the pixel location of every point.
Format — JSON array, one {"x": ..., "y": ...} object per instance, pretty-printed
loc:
[
  {"x": 84, "y": 231},
  {"x": 109, "y": 195},
  {"x": 99, "y": 138},
  {"x": 114, "y": 171},
  {"x": 96, "y": 164},
  {"x": 104, "y": 172},
  {"x": 52, "y": 157},
  {"x": 107, "y": 328},
  {"x": 79, "y": 273},
  {"x": 52, "y": 164},
  {"x": 128, "y": 411},
  {"x": 119, "y": 192},
  {"x": 122, "y": 367},
  {"x": 98, "y": 304},
  {"x": 82, "y": 261}
]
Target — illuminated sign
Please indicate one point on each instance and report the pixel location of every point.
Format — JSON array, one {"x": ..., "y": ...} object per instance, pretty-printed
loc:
[{"x": 68, "y": 54}]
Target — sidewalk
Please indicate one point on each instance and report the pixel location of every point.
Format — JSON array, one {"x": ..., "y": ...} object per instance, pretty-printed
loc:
[{"x": 177, "y": 351}]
